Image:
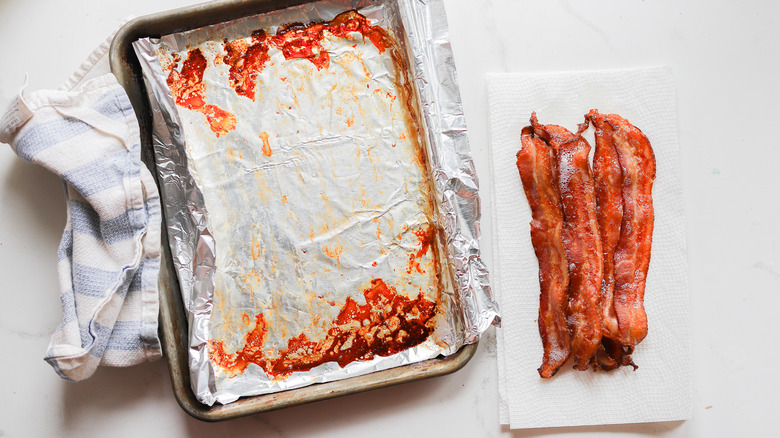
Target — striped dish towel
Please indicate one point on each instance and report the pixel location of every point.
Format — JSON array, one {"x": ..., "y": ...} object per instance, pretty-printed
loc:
[{"x": 108, "y": 258}]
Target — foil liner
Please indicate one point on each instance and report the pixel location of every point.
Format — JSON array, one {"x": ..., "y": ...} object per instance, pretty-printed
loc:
[{"x": 421, "y": 29}]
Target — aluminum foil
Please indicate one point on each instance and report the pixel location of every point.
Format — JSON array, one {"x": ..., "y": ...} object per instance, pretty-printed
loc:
[{"x": 276, "y": 230}]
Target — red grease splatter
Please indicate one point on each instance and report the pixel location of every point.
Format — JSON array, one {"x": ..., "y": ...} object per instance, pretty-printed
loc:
[
  {"x": 245, "y": 61},
  {"x": 351, "y": 21},
  {"x": 187, "y": 88},
  {"x": 425, "y": 236},
  {"x": 296, "y": 41},
  {"x": 251, "y": 353},
  {"x": 387, "y": 324}
]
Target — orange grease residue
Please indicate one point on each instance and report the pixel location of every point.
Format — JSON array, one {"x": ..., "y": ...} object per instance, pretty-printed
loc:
[
  {"x": 387, "y": 324},
  {"x": 256, "y": 250},
  {"x": 247, "y": 59},
  {"x": 266, "y": 146},
  {"x": 332, "y": 303},
  {"x": 250, "y": 278},
  {"x": 425, "y": 236},
  {"x": 187, "y": 88},
  {"x": 335, "y": 253},
  {"x": 386, "y": 93}
]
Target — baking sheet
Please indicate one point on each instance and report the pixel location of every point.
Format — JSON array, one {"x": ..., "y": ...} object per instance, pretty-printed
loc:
[{"x": 330, "y": 243}]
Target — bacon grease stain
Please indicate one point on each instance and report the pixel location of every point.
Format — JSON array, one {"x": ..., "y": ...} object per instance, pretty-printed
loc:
[
  {"x": 387, "y": 324},
  {"x": 247, "y": 59},
  {"x": 266, "y": 145},
  {"x": 187, "y": 88},
  {"x": 425, "y": 236}
]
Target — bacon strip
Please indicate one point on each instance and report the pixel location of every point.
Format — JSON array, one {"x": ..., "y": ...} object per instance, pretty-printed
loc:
[
  {"x": 611, "y": 355},
  {"x": 580, "y": 237},
  {"x": 632, "y": 254},
  {"x": 608, "y": 178},
  {"x": 536, "y": 164}
]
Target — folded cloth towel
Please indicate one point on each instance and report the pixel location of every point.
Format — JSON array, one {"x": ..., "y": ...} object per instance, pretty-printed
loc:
[{"x": 109, "y": 256}]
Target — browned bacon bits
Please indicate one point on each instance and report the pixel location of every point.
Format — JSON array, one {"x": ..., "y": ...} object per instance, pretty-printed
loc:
[
  {"x": 387, "y": 324},
  {"x": 603, "y": 218}
]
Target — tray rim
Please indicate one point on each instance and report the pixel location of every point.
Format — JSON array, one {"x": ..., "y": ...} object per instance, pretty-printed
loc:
[{"x": 173, "y": 321}]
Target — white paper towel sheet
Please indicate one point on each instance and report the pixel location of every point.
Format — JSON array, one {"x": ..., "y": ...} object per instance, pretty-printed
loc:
[{"x": 660, "y": 390}]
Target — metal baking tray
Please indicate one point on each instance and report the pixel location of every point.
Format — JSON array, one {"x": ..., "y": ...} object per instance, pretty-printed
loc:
[{"x": 173, "y": 320}]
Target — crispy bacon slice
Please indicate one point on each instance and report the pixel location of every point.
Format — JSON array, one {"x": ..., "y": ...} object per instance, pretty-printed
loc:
[
  {"x": 608, "y": 178},
  {"x": 632, "y": 254},
  {"x": 580, "y": 237},
  {"x": 536, "y": 164}
]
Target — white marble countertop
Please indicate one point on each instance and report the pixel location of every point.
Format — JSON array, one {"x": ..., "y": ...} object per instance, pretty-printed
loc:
[{"x": 724, "y": 56}]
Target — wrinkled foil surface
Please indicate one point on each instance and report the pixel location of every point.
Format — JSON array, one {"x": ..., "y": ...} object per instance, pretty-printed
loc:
[{"x": 304, "y": 238}]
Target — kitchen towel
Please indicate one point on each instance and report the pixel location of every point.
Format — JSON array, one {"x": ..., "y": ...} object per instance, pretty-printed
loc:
[
  {"x": 109, "y": 256},
  {"x": 660, "y": 389}
]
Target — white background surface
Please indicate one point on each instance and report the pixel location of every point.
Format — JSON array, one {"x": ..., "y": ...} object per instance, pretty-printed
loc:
[{"x": 725, "y": 60}]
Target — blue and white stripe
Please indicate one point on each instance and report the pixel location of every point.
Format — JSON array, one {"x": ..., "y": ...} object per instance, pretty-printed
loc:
[{"x": 109, "y": 255}]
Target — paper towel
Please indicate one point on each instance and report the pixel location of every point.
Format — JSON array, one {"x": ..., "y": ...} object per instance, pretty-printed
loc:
[{"x": 660, "y": 390}]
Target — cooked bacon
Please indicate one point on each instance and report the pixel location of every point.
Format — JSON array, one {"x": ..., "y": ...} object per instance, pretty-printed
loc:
[
  {"x": 604, "y": 358},
  {"x": 632, "y": 254},
  {"x": 608, "y": 178},
  {"x": 580, "y": 237},
  {"x": 611, "y": 355},
  {"x": 536, "y": 164}
]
